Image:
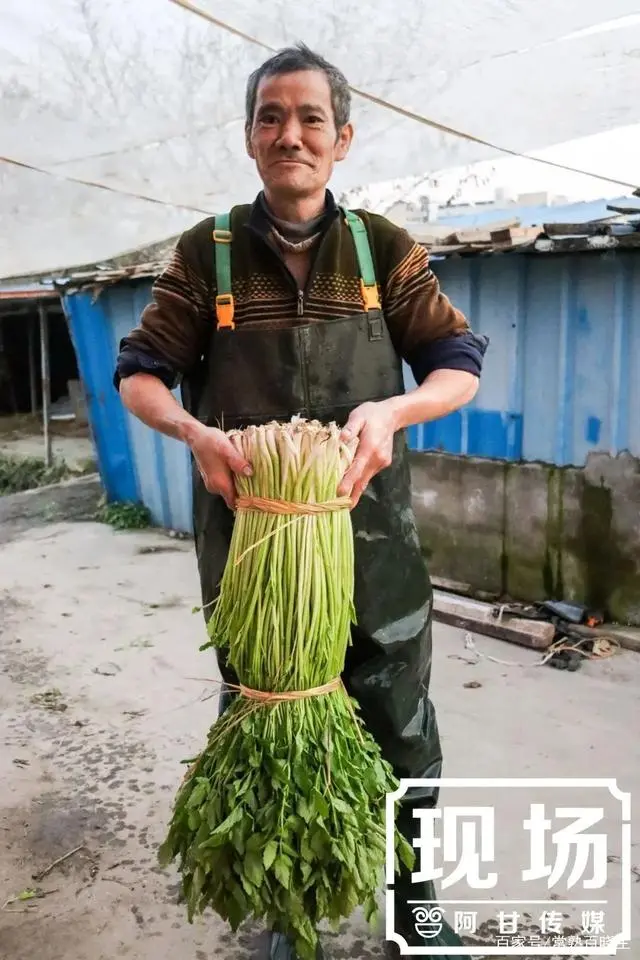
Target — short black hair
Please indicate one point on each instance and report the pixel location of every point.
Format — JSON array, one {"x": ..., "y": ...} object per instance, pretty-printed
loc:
[{"x": 292, "y": 60}]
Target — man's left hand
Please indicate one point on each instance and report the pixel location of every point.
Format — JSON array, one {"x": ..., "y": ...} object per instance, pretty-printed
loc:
[{"x": 373, "y": 425}]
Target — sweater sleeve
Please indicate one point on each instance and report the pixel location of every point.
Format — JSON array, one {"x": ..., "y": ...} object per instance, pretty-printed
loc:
[
  {"x": 428, "y": 332},
  {"x": 174, "y": 327}
]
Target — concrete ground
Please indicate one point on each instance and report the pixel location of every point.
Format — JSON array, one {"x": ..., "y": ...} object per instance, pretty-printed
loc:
[{"x": 97, "y": 648}]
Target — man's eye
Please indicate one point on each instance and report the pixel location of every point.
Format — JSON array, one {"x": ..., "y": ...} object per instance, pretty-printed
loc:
[
  {"x": 314, "y": 119},
  {"x": 268, "y": 118}
]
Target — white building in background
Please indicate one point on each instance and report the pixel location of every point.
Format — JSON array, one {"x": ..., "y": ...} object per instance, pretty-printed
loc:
[
  {"x": 429, "y": 211},
  {"x": 510, "y": 181}
]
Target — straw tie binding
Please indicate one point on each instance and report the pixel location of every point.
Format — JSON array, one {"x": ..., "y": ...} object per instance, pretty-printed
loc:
[
  {"x": 287, "y": 508},
  {"x": 284, "y": 508},
  {"x": 263, "y": 696}
]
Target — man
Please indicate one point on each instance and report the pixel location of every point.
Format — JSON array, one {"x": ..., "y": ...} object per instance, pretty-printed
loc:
[{"x": 294, "y": 306}]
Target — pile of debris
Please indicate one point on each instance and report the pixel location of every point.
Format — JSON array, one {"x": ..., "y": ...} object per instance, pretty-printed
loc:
[
  {"x": 566, "y": 633},
  {"x": 619, "y": 229}
]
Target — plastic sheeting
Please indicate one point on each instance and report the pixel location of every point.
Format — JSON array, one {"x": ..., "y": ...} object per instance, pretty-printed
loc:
[{"x": 148, "y": 98}]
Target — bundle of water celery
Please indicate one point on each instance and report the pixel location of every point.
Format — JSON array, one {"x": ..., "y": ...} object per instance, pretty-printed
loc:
[{"x": 282, "y": 816}]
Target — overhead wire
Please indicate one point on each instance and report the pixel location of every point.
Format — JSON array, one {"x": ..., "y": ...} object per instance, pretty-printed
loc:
[
  {"x": 196, "y": 130},
  {"x": 13, "y": 162}
]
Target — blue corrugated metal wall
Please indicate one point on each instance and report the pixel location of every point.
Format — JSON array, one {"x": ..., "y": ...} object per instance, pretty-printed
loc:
[
  {"x": 561, "y": 374},
  {"x": 136, "y": 463}
]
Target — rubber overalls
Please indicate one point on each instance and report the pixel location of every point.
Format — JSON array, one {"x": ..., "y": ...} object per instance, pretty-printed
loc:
[{"x": 323, "y": 370}]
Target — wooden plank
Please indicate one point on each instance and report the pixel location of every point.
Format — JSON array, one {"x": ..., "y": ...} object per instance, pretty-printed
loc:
[
  {"x": 452, "y": 586},
  {"x": 29, "y": 294},
  {"x": 576, "y": 229},
  {"x": 628, "y": 211},
  {"x": 434, "y": 232},
  {"x": 578, "y": 244},
  {"x": 46, "y": 381},
  {"x": 632, "y": 240},
  {"x": 31, "y": 342},
  {"x": 429, "y": 232},
  {"x": 480, "y": 617},
  {"x": 627, "y": 637},
  {"x": 513, "y": 235},
  {"x": 439, "y": 249},
  {"x": 470, "y": 236}
]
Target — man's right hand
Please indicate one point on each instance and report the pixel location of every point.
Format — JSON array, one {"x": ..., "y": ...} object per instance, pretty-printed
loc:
[{"x": 217, "y": 460}]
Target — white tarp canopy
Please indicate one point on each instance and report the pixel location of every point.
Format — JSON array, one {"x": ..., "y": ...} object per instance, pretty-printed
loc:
[{"x": 147, "y": 98}]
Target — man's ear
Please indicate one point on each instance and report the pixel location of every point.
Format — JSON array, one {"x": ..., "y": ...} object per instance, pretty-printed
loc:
[
  {"x": 343, "y": 143},
  {"x": 247, "y": 141}
]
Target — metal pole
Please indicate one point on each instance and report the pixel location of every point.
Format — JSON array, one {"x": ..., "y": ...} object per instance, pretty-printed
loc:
[
  {"x": 32, "y": 366},
  {"x": 46, "y": 384}
]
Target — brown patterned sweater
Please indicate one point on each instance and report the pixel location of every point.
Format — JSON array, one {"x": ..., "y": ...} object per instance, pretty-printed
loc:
[{"x": 172, "y": 336}]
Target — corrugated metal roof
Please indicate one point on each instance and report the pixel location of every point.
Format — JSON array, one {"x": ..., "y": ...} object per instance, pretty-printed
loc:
[
  {"x": 597, "y": 226},
  {"x": 28, "y": 290},
  {"x": 582, "y": 227},
  {"x": 143, "y": 262},
  {"x": 534, "y": 215}
]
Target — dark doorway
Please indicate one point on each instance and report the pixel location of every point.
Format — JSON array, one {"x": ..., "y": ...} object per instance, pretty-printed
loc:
[{"x": 20, "y": 379}]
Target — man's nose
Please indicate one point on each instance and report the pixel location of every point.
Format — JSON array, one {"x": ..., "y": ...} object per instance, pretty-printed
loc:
[{"x": 290, "y": 135}]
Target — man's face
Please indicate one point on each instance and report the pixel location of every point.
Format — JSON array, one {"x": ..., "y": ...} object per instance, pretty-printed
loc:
[{"x": 293, "y": 138}]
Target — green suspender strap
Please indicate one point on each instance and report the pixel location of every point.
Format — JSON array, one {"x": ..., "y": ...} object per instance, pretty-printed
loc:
[
  {"x": 224, "y": 298},
  {"x": 368, "y": 282}
]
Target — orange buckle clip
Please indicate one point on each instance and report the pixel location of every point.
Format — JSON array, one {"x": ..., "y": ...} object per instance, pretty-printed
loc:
[
  {"x": 225, "y": 311},
  {"x": 222, "y": 236},
  {"x": 370, "y": 296}
]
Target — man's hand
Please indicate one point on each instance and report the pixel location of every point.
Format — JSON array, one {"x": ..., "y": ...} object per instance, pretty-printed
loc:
[
  {"x": 217, "y": 461},
  {"x": 374, "y": 424}
]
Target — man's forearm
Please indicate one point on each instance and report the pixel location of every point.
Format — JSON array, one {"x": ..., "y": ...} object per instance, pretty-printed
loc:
[
  {"x": 442, "y": 393},
  {"x": 148, "y": 399},
  {"x": 214, "y": 454}
]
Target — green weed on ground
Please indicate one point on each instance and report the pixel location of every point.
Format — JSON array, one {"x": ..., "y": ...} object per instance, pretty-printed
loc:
[
  {"x": 124, "y": 516},
  {"x": 27, "y": 473}
]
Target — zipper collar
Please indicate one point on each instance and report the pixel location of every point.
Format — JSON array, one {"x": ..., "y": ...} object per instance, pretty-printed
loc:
[{"x": 260, "y": 223}]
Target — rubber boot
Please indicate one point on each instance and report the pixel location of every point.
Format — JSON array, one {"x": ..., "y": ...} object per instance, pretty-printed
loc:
[
  {"x": 405, "y": 923},
  {"x": 406, "y": 891},
  {"x": 281, "y": 948}
]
